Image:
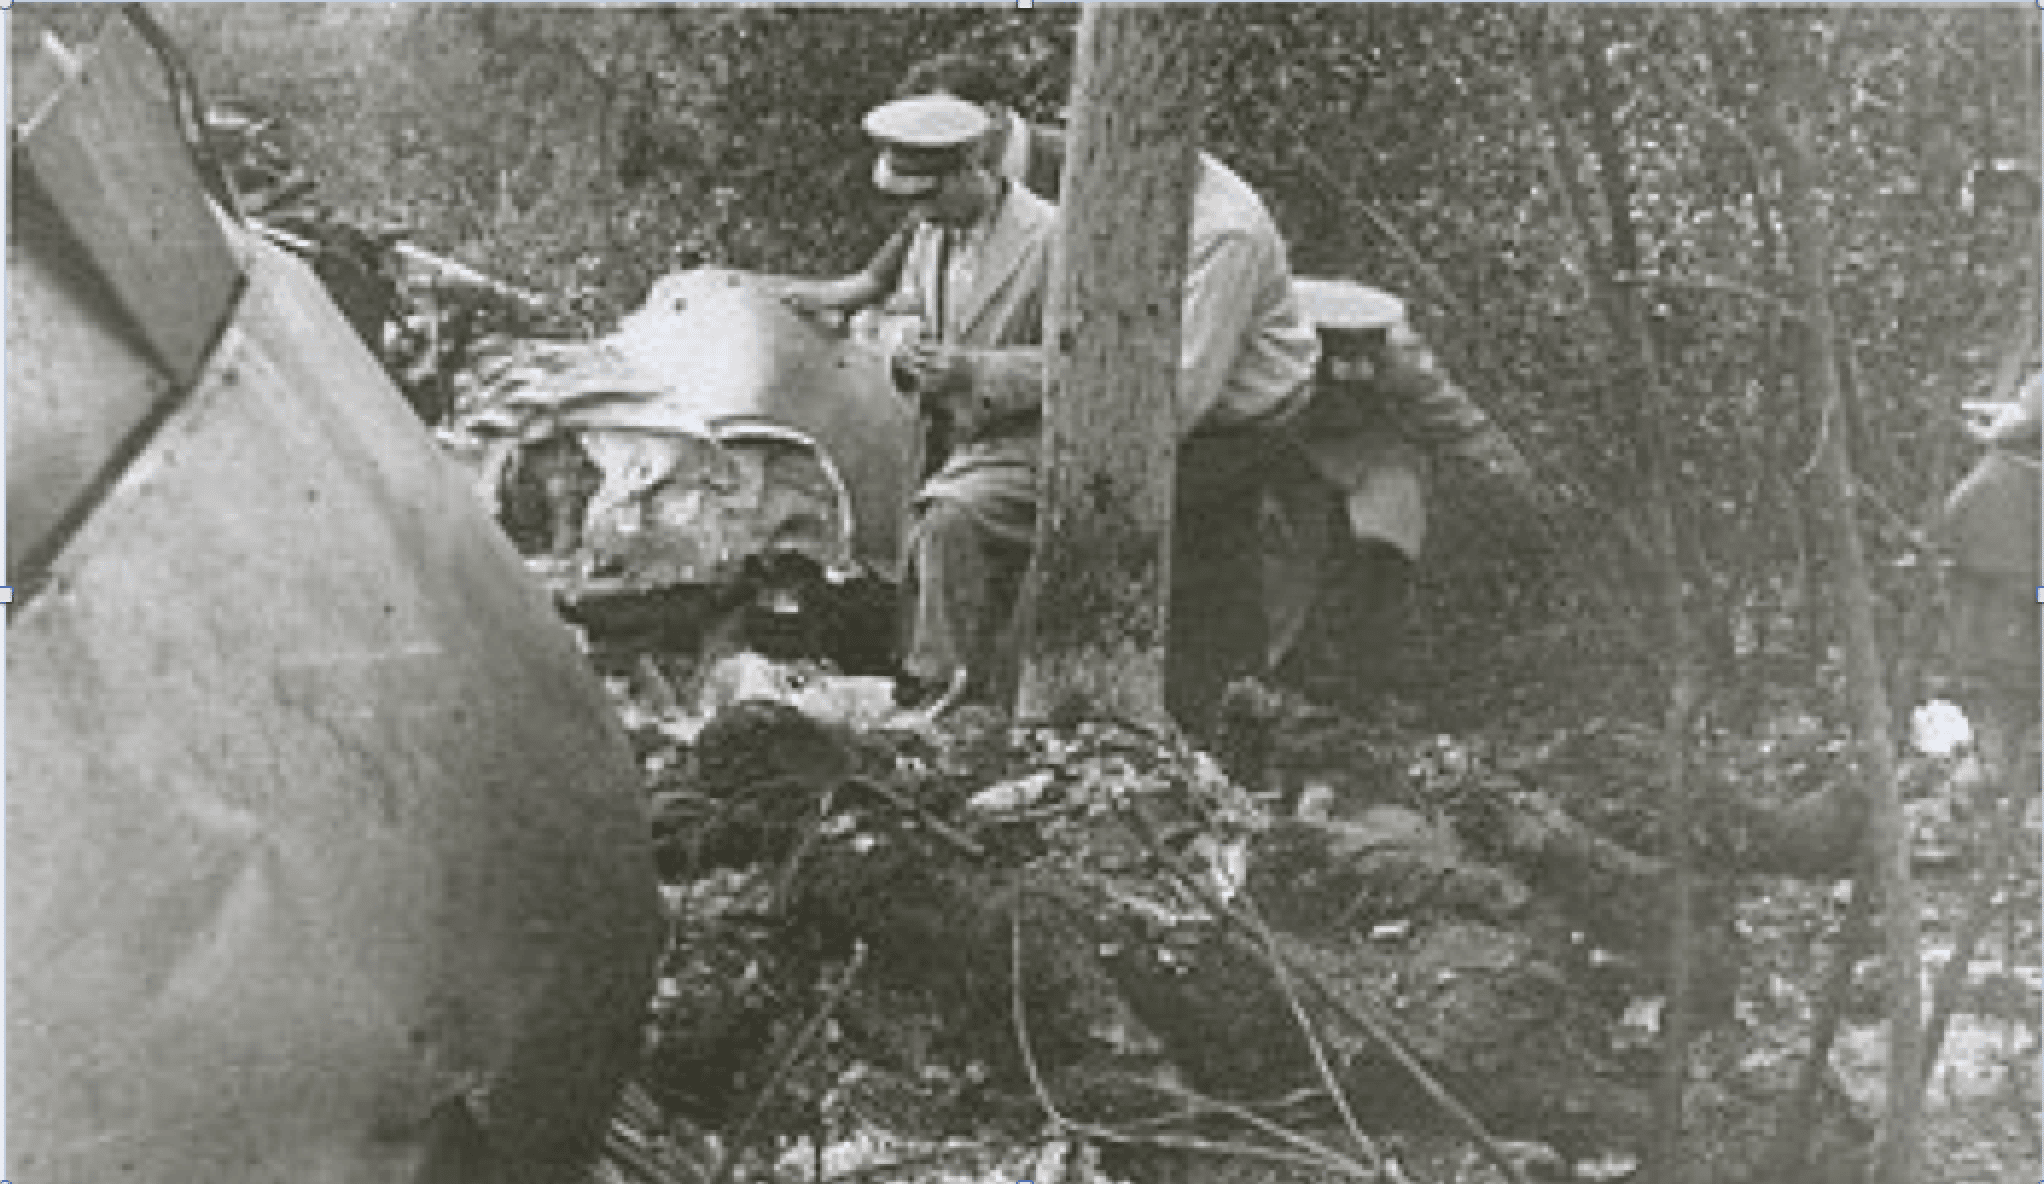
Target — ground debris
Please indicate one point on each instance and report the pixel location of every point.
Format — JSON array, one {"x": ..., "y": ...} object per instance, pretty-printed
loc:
[{"x": 1090, "y": 861}]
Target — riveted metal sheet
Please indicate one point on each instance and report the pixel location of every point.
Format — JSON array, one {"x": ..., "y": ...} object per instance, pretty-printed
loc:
[{"x": 318, "y": 828}]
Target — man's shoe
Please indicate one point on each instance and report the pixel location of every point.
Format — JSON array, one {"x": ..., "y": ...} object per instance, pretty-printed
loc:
[
  {"x": 911, "y": 692},
  {"x": 928, "y": 698}
]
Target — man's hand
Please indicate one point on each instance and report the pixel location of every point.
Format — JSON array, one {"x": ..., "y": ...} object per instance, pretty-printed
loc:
[
  {"x": 934, "y": 371},
  {"x": 940, "y": 376},
  {"x": 1992, "y": 422}
]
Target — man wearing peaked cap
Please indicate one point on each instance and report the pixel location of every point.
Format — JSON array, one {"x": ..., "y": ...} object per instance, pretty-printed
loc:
[
  {"x": 1380, "y": 403},
  {"x": 973, "y": 273},
  {"x": 922, "y": 141}
]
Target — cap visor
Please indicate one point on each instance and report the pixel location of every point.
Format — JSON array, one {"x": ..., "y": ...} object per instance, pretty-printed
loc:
[
  {"x": 896, "y": 184},
  {"x": 1338, "y": 305}
]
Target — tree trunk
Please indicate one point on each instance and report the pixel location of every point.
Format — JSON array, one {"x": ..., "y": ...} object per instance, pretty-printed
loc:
[
  {"x": 1639, "y": 361},
  {"x": 1095, "y": 644},
  {"x": 1790, "y": 112}
]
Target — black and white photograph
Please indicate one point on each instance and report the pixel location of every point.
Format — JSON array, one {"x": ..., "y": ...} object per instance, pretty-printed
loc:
[{"x": 1023, "y": 593}]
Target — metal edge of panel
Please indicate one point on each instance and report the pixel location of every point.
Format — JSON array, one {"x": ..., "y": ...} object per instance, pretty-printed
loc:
[
  {"x": 114, "y": 154},
  {"x": 44, "y": 166}
]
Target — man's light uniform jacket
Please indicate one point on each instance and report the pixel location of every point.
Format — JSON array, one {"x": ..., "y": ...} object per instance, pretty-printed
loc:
[
  {"x": 993, "y": 472},
  {"x": 1370, "y": 443}
]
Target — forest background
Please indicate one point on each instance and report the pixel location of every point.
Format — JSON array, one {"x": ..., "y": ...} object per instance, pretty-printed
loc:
[{"x": 1448, "y": 153}]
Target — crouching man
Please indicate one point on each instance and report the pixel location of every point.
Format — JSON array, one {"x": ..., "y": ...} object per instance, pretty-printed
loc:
[{"x": 1381, "y": 404}]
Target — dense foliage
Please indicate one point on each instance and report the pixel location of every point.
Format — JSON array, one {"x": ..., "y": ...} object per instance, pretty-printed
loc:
[{"x": 1438, "y": 151}]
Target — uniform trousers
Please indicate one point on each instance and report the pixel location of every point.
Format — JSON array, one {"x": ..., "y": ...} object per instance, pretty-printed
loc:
[
  {"x": 1217, "y": 630},
  {"x": 968, "y": 550}
]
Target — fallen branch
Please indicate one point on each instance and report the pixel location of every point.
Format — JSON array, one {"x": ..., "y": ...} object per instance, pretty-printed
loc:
[
  {"x": 1062, "y": 1124},
  {"x": 920, "y": 1159},
  {"x": 902, "y": 802},
  {"x": 784, "y": 884},
  {"x": 1194, "y": 1100},
  {"x": 444, "y": 271},
  {"x": 1315, "y": 1045},
  {"x": 787, "y": 1062}
]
